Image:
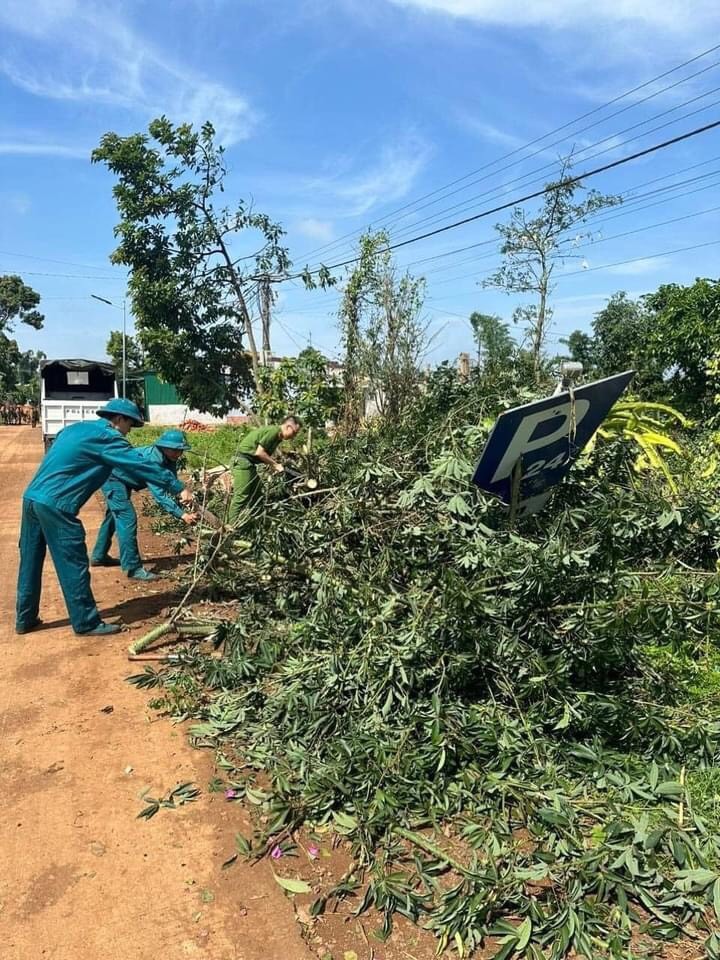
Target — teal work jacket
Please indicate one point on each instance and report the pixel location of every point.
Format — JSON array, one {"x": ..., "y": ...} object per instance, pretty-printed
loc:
[
  {"x": 150, "y": 454},
  {"x": 82, "y": 458}
]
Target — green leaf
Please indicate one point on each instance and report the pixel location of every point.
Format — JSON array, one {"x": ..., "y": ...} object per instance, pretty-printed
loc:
[
  {"x": 242, "y": 845},
  {"x": 293, "y": 886},
  {"x": 565, "y": 719},
  {"x": 698, "y": 878},
  {"x": 524, "y": 934},
  {"x": 670, "y": 788},
  {"x": 344, "y": 821}
]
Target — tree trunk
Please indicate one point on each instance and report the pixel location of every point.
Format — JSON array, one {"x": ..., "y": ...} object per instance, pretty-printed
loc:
[
  {"x": 351, "y": 385},
  {"x": 539, "y": 331}
]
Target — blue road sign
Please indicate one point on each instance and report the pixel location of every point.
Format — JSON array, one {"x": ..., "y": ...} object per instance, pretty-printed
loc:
[{"x": 545, "y": 438}]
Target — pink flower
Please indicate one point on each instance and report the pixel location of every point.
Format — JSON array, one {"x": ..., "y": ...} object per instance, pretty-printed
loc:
[
  {"x": 313, "y": 851},
  {"x": 276, "y": 852},
  {"x": 230, "y": 794}
]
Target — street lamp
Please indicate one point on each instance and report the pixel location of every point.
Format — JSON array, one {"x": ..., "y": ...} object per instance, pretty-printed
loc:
[{"x": 111, "y": 304}]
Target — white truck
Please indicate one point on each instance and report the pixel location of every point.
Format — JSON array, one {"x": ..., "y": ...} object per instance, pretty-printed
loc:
[{"x": 72, "y": 390}]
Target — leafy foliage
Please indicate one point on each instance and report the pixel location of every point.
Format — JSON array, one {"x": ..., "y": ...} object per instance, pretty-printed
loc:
[
  {"x": 190, "y": 288},
  {"x": 671, "y": 337},
  {"x": 302, "y": 385},
  {"x": 134, "y": 356},
  {"x": 533, "y": 247},
  {"x": 383, "y": 335},
  {"x": 495, "y": 344},
  {"x": 17, "y": 303},
  {"x": 183, "y": 793},
  {"x": 18, "y": 369},
  {"x": 490, "y": 715}
]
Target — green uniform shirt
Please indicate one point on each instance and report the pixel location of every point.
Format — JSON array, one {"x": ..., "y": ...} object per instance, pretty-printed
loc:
[{"x": 266, "y": 437}]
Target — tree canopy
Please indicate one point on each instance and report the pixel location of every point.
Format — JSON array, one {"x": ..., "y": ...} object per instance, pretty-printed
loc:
[{"x": 194, "y": 263}]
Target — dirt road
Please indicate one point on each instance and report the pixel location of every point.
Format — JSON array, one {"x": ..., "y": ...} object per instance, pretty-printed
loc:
[{"x": 80, "y": 877}]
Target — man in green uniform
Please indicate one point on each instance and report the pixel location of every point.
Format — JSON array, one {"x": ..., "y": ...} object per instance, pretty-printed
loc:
[
  {"x": 120, "y": 516},
  {"x": 255, "y": 448}
]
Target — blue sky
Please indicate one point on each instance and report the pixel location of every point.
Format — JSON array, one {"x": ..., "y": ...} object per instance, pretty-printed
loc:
[{"x": 335, "y": 115}]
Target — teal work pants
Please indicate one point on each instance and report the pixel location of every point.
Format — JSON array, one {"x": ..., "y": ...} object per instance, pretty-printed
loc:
[
  {"x": 44, "y": 528},
  {"x": 121, "y": 519}
]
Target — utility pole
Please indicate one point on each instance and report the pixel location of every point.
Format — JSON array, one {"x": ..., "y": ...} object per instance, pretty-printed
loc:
[
  {"x": 265, "y": 302},
  {"x": 124, "y": 335},
  {"x": 124, "y": 375}
]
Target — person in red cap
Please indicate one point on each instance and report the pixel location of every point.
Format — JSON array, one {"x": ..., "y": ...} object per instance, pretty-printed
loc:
[{"x": 78, "y": 463}]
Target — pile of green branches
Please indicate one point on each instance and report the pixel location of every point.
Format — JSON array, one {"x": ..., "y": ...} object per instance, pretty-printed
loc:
[{"x": 408, "y": 666}]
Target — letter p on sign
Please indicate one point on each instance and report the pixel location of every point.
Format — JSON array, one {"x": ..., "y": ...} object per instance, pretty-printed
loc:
[{"x": 545, "y": 437}]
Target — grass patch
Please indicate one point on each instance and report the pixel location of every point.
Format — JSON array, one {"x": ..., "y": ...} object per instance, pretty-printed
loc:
[{"x": 218, "y": 444}]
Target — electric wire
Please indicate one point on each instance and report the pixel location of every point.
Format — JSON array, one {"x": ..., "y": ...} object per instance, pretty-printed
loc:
[
  {"x": 578, "y": 178},
  {"x": 531, "y": 143}
]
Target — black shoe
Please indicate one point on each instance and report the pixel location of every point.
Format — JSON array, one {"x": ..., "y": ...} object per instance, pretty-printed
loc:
[
  {"x": 33, "y": 626},
  {"x": 105, "y": 562}
]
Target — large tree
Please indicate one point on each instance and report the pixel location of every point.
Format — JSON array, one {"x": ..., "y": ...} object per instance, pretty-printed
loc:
[
  {"x": 302, "y": 385},
  {"x": 682, "y": 337},
  {"x": 495, "y": 345},
  {"x": 194, "y": 264},
  {"x": 670, "y": 337},
  {"x": 18, "y": 303},
  {"x": 384, "y": 336},
  {"x": 534, "y": 246},
  {"x": 134, "y": 355}
]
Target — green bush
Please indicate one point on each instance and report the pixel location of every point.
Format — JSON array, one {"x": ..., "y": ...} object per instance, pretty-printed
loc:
[{"x": 407, "y": 659}]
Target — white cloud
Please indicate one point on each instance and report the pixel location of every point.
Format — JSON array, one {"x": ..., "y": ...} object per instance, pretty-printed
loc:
[
  {"x": 639, "y": 267},
  {"x": 316, "y": 229},
  {"x": 15, "y": 202},
  {"x": 389, "y": 178},
  {"x": 28, "y": 148},
  {"x": 488, "y": 131},
  {"x": 670, "y": 15},
  {"x": 75, "y": 51}
]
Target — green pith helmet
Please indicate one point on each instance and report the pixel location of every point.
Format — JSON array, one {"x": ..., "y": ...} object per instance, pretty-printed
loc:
[
  {"x": 172, "y": 440},
  {"x": 122, "y": 406}
]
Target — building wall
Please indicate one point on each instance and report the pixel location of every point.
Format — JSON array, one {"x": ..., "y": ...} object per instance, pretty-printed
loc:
[{"x": 173, "y": 414}]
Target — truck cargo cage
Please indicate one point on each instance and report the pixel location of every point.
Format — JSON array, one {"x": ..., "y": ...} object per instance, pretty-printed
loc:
[{"x": 72, "y": 391}]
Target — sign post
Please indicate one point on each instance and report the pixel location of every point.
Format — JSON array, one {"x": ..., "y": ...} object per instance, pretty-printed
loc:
[{"x": 531, "y": 448}]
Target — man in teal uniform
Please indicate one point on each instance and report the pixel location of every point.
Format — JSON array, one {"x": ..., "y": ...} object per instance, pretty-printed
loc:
[
  {"x": 256, "y": 447},
  {"x": 120, "y": 516},
  {"x": 78, "y": 463}
]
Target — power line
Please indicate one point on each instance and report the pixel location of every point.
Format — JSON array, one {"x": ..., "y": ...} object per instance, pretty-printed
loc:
[
  {"x": 288, "y": 334},
  {"x": 609, "y": 137},
  {"x": 69, "y": 276},
  {"x": 537, "y": 193},
  {"x": 603, "y": 266},
  {"x": 532, "y": 143},
  {"x": 66, "y": 263},
  {"x": 590, "y": 243},
  {"x": 530, "y": 178},
  {"x": 654, "y": 256},
  {"x": 626, "y": 204},
  {"x": 616, "y": 236}
]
